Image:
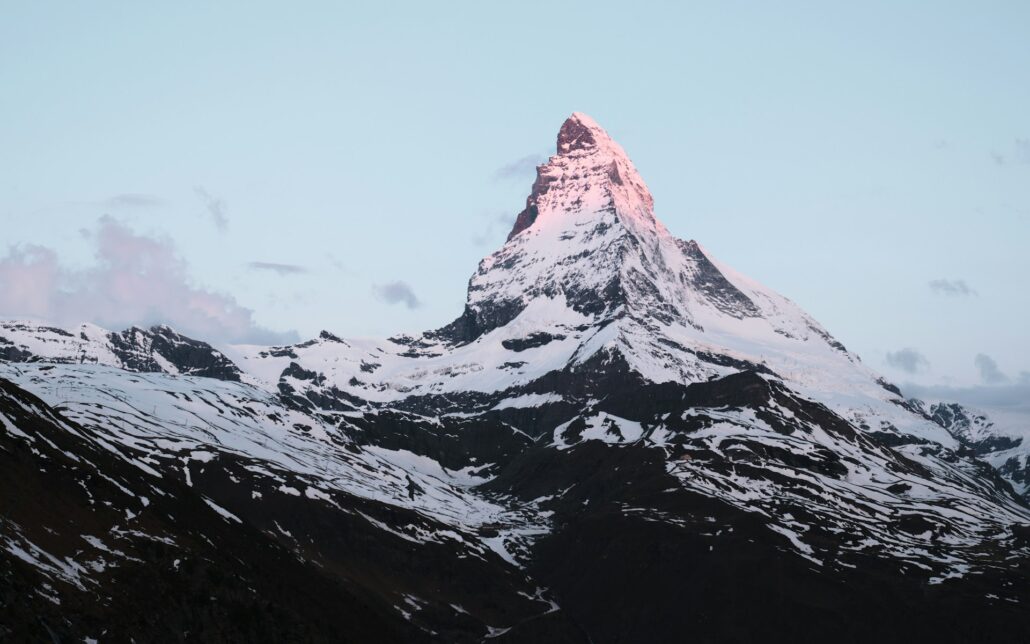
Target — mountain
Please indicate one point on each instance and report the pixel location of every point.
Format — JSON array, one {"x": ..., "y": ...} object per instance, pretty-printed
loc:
[
  {"x": 1002, "y": 446},
  {"x": 158, "y": 349},
  {"x": 619, "y": 439}
]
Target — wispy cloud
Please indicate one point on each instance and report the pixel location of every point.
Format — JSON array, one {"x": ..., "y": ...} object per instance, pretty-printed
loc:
[
  {"x": 504, "y": 221},
  {"x": 951, "y": 287},
  {"x": 132, "y": 200},
  {"x": 215, "y": 208},
  {"x": 989, "y": 372},
  {"x": 907, "y": 360},
  {"x": 275, "y": 267},
  {"x": 338, "y": 264},
  {"x": 1022, "y": 151},
  {"x": 1020, "y": 154},
  {"x": 136, "y": 279},
  {"x": 520, "y": 168},
  {"x": 398, "y": 292}
]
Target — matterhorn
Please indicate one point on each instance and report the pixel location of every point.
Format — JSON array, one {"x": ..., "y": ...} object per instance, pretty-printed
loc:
[{"x": 618, "y": 439}]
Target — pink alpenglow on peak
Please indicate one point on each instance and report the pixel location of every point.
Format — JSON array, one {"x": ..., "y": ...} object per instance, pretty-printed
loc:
[
  {"x": 589, "y": 173},
  {"x": 580, "y": 132}
]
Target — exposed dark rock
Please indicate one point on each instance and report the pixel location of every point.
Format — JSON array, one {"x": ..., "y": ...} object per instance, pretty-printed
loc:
[
  {"x": 889, "y": 386},
  {"x": 963, "y": 424},
  {"x": 709, "y": 280},
  {"x": 531, "y": 341},
  {"x": 12, "y": 353},
  {"x": 142, "y": 349}
]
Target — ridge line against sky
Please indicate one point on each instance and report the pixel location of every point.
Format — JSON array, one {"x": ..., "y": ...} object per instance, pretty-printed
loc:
[{"x": 871, "y": 163}]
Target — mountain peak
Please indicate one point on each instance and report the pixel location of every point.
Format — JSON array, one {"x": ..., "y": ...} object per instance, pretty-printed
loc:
[
  {"x": 588, "y": 248},
  {"x": 589, "y": 172},
  {"x": 580, "y": 132},
  {"x": 581, "y": 135}
]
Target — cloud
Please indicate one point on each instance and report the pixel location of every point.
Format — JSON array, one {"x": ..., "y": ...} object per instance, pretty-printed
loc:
[
  {"x": 136, "y": 279},
  {"x": 951, "y": 287},
  {"x": 215, "y": 208},
  {"x": 1022, "y": 154},
  {"x": 520, "y": 168},
  {"x": 132, "y": 200},
  {"x": 398, "y": 293},
  {"x": 281, "y": 269},
  {"x": 338, "y": 264},
  {"x": 1024, "y": 378},
  {"x": 1012, "y": 398},
  {"x": 907, "y": 360},
  {"x": 989, "y": 371}
]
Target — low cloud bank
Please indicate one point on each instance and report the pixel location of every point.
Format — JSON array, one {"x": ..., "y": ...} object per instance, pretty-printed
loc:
[{"x": 136, "y": 279}]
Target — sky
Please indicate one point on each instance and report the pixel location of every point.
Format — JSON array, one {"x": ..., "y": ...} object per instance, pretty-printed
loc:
[{"x": 260, "y": 171}]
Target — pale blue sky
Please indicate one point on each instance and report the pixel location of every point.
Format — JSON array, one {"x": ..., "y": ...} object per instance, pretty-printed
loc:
[{"x": 846, "y": 155}]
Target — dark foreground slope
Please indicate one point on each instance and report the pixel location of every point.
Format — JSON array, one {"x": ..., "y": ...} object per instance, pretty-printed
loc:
[
  {"x": 624, "y": 572},
  {"x": 95, "y": 547},
  {"x": 181, "y": 573},
  {"x": 631, "y": 555},
  {"x": 635, "y": 556}
]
